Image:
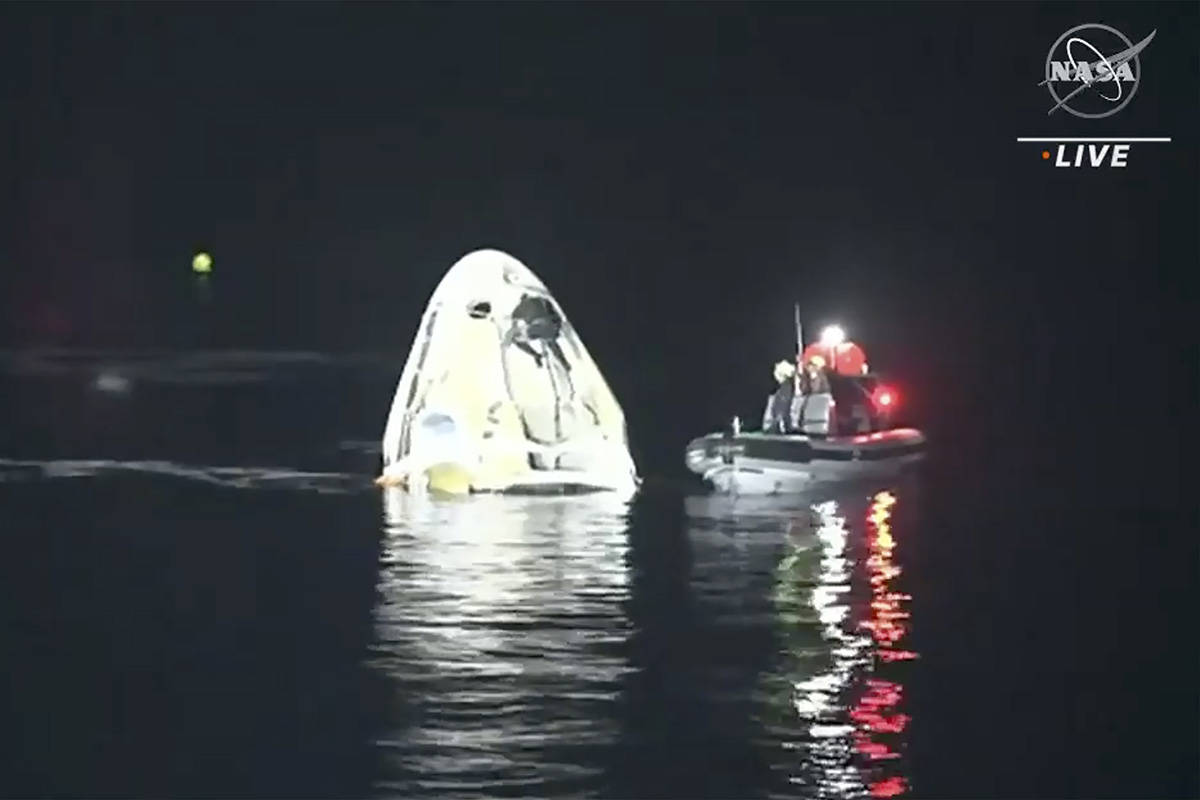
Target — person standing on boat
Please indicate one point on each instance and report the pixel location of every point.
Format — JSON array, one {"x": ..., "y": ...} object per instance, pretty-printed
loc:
[
  {"x": 813, "y": 379},
  {"x": 777, "y": 418},
  {"x": 813, "y": 398}
]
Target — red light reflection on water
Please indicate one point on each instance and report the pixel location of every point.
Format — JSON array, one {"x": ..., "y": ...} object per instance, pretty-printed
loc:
[
  {"x": 891, "y": 787},
  {"x": 876, "y": 713}
]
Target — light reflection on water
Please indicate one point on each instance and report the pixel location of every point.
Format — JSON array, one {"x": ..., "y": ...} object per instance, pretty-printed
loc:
[
  {"x": 537, "y": 647},
  {"x": 836, "y": 707},
  {"x": 821, "y": 574},
  {"x": 500, "y": 623}
]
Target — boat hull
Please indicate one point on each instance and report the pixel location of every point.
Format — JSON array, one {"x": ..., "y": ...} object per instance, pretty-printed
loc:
[{"x": 757, "y": 463}]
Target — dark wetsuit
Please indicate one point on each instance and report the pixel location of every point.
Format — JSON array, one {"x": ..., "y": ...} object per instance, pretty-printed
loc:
[
  {"x": 818, "y": 384},
  {"x": 780, "y": 418}
]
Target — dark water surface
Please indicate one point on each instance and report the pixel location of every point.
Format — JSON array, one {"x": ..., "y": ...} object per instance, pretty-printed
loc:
[{"x": 202, "y": 595}]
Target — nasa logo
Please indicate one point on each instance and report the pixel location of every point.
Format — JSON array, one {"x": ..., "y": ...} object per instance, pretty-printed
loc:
[{"x": 1093, "y": 70}]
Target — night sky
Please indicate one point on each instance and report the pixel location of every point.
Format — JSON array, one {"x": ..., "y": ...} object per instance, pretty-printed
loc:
[{"x": 678, "y": 175}]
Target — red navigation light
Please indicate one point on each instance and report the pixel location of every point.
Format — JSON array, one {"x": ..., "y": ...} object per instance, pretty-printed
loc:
[{"x": 885, "y": 397}]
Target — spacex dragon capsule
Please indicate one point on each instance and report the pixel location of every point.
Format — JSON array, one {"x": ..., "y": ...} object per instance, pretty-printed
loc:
[{"x": 499, "y": 394}]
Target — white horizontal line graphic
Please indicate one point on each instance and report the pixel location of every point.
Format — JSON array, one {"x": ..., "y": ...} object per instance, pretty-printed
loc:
[{"x": 1093, "y": 138}]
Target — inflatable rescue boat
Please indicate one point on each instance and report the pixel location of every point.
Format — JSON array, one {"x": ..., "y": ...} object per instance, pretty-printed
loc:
[{"x": 830, "y": 420}]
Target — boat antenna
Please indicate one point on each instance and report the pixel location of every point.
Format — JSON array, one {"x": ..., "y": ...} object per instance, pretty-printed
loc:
[{"x": 799, "y": 335}]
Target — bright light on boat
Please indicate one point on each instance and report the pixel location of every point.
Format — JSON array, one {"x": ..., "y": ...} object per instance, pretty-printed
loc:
[{"x": 832, "y": 336}]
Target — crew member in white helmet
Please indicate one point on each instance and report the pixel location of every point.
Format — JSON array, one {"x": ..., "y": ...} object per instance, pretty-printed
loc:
[{"x": 778, "y": 414}]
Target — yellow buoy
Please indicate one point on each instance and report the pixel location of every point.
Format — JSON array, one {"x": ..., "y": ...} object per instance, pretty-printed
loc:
[{"x": 202, "y": 263}]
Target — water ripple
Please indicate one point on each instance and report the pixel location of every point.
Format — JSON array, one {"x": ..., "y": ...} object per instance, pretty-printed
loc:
[
  {"x": 13, "y": 470},
  {"x": 117, "y": 369}
]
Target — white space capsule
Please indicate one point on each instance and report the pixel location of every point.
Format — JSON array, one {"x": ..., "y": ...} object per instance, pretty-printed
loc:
[{"x": 500, "y": 395}]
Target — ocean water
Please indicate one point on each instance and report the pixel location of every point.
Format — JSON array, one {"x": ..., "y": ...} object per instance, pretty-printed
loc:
[{"x": 204, "y": 596}]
